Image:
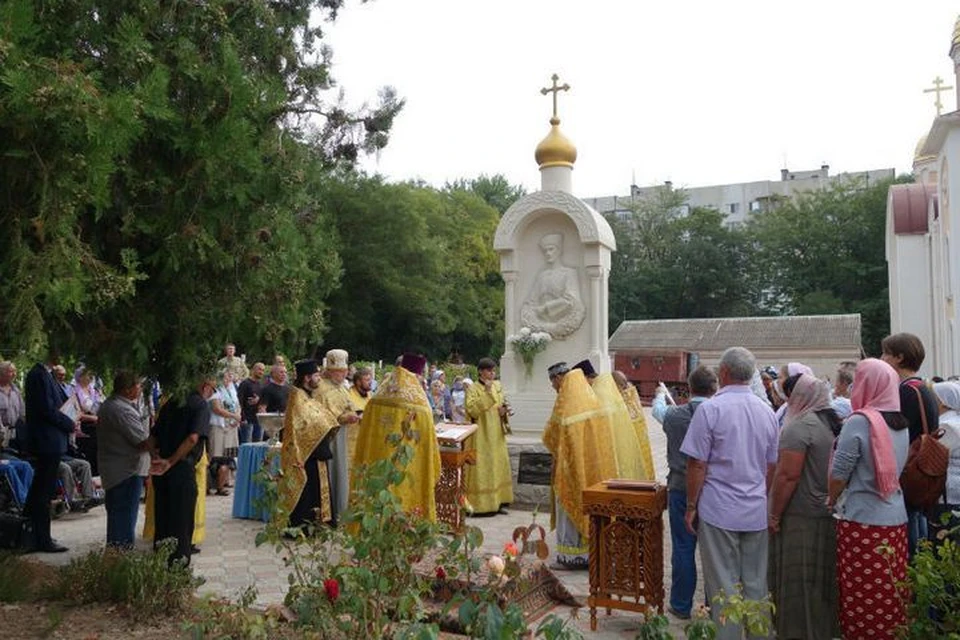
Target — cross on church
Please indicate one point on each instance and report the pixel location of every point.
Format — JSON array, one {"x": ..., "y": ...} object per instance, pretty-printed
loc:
[
  {"x": 936, "y": 88},
  {"x": 555, "y": 89}
]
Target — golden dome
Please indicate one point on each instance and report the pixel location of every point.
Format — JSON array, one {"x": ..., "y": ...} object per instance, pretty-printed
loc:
[
  {"x": 919, "y": 148},
  {"x": 555, "y": 150}
]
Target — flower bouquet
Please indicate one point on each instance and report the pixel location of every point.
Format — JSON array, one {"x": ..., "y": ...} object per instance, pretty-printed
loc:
[{"x": 528, "y": 344}]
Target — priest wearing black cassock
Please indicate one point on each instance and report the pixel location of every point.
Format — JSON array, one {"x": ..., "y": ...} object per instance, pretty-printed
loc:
[
  {"x": 308, "y": 428},
  {"x": 178, "y": 432}
]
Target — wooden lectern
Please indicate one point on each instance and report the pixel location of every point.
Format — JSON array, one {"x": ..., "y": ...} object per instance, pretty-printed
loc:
[
  {"x": 453, "y": 456},
  {"x": 626, "y": 546}
]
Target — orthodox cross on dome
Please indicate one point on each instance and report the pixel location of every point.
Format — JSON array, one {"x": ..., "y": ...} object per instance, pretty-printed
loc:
[
  {"x": 555, "y": 89},
  {"x": 937, "y": 87}
]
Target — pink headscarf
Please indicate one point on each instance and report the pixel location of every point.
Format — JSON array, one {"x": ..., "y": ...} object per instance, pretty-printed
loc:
[
  {"x": 793, "y": 368},
  {"x": 877, "y": 388},
  {"x": 809, "y": 394}
]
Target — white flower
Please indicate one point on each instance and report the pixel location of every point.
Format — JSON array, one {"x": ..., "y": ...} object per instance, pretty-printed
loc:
[
  {"x": 525, "y": 331},
  {"x": 496, "y": 565}
]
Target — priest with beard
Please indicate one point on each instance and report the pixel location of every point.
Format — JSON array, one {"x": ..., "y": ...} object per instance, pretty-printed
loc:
[
  {"x": 336, "y": 398},
  {"x": 308, "y": 430}
]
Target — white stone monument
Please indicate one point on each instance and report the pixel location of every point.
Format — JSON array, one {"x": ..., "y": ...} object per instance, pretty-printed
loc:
[{"x": 555, "y": 260}]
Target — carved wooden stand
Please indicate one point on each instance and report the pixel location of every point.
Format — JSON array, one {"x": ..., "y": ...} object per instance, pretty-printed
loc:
[
  {"x": 451, "y": 486},
  {"x": 626, "y": 549}
]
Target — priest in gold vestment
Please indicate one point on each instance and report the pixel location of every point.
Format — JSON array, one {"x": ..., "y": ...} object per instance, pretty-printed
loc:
[
  {"x": 632, "y": 399},
  {"x": 489, "y": 481},
  {"x": 626, "y": 447},
  {"x": 360, "y": 393},
  {"x": 336, "y": 398},
  {"x": 308, "y": 428},
  {"x": 630, "y": 462},
  {"x": 400, "y": 396},
  {"x": 579, "y": 437}
]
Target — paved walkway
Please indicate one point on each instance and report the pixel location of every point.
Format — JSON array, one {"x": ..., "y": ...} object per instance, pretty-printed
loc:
[{"x": 230, "y": 561}]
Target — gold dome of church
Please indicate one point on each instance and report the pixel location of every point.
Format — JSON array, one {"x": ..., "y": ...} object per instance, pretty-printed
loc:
[
  {"x": 955, "y": 42},
  {"x": 555, "y": 150}
]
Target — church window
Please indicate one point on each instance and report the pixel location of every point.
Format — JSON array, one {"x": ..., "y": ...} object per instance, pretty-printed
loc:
[
  {"x": 733, "y": 207},
  {"x": 755, "y": 206}
]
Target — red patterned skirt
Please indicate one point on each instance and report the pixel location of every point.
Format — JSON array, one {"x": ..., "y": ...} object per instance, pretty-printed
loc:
[{"x": 871, "y": 563}]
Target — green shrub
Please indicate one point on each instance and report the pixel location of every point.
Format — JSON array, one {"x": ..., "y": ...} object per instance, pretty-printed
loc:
[
  {"x": 934, "y": 581},
  {"x": 141, "y": 582},
  {"x": 13, "y": 585},
  {"x": 360, "y": 580}
]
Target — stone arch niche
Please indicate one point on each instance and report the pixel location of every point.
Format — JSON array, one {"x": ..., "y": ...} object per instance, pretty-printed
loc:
[{"x": 544, "y": 293}]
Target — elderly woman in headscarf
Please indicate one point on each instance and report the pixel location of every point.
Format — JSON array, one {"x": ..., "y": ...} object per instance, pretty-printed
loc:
[
  {"x": 948, "y": 397},
  {"x": 872, "y": 527},
  {"x": 803, "y": 542},
  {"x": 786, "y": 371}
]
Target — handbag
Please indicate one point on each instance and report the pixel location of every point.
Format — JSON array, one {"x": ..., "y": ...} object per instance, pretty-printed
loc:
[{"x": 924, "y": 475}]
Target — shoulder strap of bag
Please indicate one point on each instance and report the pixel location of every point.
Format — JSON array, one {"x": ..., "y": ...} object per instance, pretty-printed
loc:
[{"x": 923, "y": 409}]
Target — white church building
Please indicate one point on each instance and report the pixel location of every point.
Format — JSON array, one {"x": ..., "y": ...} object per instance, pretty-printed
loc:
[{"x": 923, "y": 234}]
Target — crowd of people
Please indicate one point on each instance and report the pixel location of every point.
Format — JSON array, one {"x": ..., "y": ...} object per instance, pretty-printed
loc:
[
  {"x": 173, "y": 452},
  {"x": 792, "y": 487},
  {"x": 788, "y": 485}
]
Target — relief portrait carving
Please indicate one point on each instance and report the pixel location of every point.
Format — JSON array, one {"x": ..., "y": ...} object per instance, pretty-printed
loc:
[{"x": 554, "y": 304}]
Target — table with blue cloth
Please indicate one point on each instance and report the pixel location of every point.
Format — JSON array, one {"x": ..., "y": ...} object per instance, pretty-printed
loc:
[{"x": 248, "y": 491}]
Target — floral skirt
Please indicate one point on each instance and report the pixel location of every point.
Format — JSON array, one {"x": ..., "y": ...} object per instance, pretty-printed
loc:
[{"x": 871, "y": 563}]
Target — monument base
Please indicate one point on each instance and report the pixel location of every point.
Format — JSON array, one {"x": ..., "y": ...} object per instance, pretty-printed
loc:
[
  {"x": 530, "y": 467},
  {"x": 531, "y": 410}
]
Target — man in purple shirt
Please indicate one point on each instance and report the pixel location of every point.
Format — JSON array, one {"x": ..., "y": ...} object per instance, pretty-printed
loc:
[{"x": 731, "y": 447}]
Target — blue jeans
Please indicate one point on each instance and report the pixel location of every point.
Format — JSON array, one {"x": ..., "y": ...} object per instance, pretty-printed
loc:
[
  {"x": 123, "y": 504},
  {"x": 916, "y": 529},
  {"x": 683, "y": 559},
  {"x": 250, "y": 432}
]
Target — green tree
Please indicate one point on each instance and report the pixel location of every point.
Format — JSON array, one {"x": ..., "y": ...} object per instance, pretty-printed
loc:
[
  {"x": 419, "y": 272},
  {"x": 823, "y": 252},
  {"x": 160, "y": 163},
  {"x": 672, "y": 264},
  {"x": 495, "y": 190}
]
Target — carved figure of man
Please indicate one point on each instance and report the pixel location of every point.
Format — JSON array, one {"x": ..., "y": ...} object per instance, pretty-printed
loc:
[{"x": 554, "y": 303}]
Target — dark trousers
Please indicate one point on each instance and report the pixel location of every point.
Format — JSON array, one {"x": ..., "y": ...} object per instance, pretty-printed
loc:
[
  {"x": 42, "y": 490},
  {"x": 683, "y": 560},
  {"x": 306, "y": 511},
  {"x": 174, "y": 503},
  {"x": 123, "y": 503}
]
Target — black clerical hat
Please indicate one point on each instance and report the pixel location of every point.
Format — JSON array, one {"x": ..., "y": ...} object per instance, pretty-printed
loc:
[
  {"x": 306, "y": 368},
  {"x": 587, "y": 367},
  {"x": 557, "y": 369}
]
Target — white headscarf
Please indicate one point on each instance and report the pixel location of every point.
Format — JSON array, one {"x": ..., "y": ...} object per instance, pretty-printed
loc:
[
  {"x": 949, "y": 394},
  {"x": 756, "y": 386}
]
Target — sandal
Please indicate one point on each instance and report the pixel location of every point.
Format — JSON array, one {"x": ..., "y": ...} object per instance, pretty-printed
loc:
[{"x": 222, "y": 492}]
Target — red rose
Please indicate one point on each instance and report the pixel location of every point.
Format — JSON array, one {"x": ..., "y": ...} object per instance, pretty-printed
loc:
[
  {"x": 332, "y": 587},
  {"x": 441, "y": 574}
]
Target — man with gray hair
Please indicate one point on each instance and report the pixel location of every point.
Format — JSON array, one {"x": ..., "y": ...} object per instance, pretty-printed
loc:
[
  {"x": 731, "y": 448},
  {"x": 123, "y": 457},
  {"x": 12, "y": 409},
  {"x": 841, "y": 390}
]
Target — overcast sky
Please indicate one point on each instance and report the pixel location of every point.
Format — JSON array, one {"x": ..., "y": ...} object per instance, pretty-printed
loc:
[{"x": 699, "y": 93}]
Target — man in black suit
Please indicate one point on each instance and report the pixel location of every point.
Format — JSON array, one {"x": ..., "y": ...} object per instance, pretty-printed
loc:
[{"x": 47, "y": 432}]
